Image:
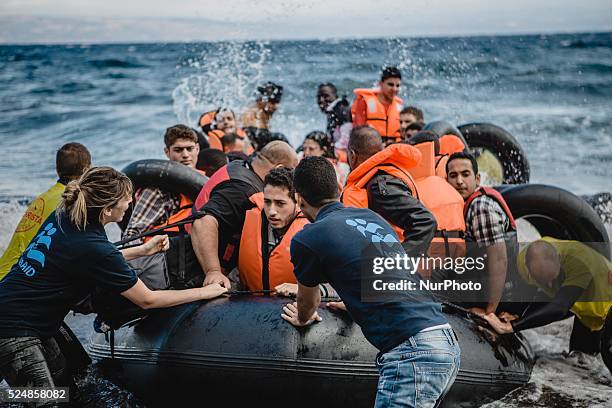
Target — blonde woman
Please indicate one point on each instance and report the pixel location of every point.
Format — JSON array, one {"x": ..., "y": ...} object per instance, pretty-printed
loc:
[{"x": 65, "y": 261}]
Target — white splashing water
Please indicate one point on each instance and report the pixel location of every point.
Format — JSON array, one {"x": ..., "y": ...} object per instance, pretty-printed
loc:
[{"x": 225, "y": 75}]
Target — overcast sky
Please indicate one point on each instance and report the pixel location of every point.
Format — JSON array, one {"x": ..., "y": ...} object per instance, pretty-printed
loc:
[{"x": 87, "y": 21}]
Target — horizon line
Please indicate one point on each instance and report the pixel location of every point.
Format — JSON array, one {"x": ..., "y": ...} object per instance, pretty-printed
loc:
[{"x": 321, "y": 39}]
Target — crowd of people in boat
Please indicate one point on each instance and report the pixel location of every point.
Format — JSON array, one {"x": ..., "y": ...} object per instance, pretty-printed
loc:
[{"x": 273, "y": 220}]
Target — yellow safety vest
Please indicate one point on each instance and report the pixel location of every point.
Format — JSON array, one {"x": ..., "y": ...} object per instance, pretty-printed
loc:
[
  {"x": 578, "y": 259},
  {"x": 28, "y": 226}
]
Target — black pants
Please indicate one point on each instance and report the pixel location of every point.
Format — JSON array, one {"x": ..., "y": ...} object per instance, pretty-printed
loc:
[
  {"x": 593, "y": 342},
  {"x": 30, "y": 362},
  {"x": 583, "y": 339},
  {"x": 606, "y": 341}
]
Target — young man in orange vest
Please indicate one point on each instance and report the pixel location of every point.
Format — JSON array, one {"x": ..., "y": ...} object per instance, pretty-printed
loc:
[
  {"x": 155, "y": 207},
  {"x": 224, "y": 201},
  {"x": 263, "y": 261},
  {"x": 489, "y": 223},
  {"x": 380, "y": 108}
]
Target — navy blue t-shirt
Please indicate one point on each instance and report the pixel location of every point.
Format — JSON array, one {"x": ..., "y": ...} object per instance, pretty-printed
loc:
[
  {"x": 336, "y": 248},
  {"x": 60, "y": 267}
]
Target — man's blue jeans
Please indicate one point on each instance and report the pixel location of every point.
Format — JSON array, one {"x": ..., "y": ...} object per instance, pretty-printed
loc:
[{"x": 420, "y": 371}]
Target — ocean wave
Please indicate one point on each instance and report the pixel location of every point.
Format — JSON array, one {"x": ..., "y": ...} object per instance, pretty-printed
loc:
[
  {"x": 74, "y": 87},
  {"x": 115, "y": 63},
  {"x": 595, "y": 68},
  {"x": 587, "y": 43}
]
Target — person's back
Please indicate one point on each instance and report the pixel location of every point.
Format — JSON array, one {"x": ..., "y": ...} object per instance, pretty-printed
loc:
[
  {"x": 341, "y": 241},
  {"x": 63, "y": 279},
  {"x": 345, "y": 247},
  {"x": 381, "y": 181},
  {"x": 582, "y": 267},
  {"x": 71, "y": 160}
]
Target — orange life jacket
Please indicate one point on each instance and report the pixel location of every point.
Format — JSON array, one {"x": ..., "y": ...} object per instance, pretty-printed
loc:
[
  {"x": 385, "y": 120},
  {"x": 495, "y": 195},
  {"x": 395, "y": 160},
  {"x": 450, "y": 144},
  {"x": 260, "y": 270},
  {"x": 184, "y": 211},
  {"x": 414, "y": 165},
  {"x": 215, "y": 135},
  {"x": 444, "y": 202},
  {"x": 206, "y": 120},
  {"x": 235, "y": 170},
  {"x": 341, "y": 155},
  {"x": 214, "y": 139},
  {"x": 441, "y": 165}
]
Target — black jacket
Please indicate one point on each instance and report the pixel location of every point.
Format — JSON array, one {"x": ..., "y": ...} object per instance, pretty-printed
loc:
[{"x": 391, "y": 198}]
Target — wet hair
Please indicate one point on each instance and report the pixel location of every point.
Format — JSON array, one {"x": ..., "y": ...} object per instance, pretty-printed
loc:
[
  {"x": 211, "y": 160},
  {"x": 330, "y": 86},
  {"x": 316, "y": 181},
  {"x": 390, "y": 72},
  {"x": 413, "y": 110},
  {"x": 281, "y": 177},
  {"x": 97, "y": 189},
  {"x": 425, "y": 136},
  {"x": 71, "y": 160},
  {"x": 229, "y": 139},
  {"x": 416, "y": 126},
  {"x": 463, "y": 155},
  {"x": 324, "y": 140},
  {"x": 365, "y": 141},
  {"x": 270, "y": 92},
  {"x": 261, "y": 137},
  {"x": 176, "y": 132}
]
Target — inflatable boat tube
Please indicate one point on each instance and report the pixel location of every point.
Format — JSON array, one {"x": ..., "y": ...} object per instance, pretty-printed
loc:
[
  {"x": 167, "y": 175},
  {"x": 557, "y": 213},
  {"x": 238, "y": 350},
  {"x": 486, "y": 137},
  {"x": 442, "y": 127}
]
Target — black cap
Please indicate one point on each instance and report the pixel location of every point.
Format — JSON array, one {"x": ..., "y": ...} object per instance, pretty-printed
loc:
[
  {"x": 390, "y": 72},
  {"x": 270, "y": 92}
]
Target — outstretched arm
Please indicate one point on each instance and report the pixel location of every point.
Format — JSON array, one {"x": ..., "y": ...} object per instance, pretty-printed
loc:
[
  {"x": 142, "y": 296},
  {"x": 156, "y": 244},
  {"x": 556, "y": 310}
]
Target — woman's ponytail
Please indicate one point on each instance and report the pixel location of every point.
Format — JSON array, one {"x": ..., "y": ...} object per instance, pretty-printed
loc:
[{"x": 98, "y": 188}]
